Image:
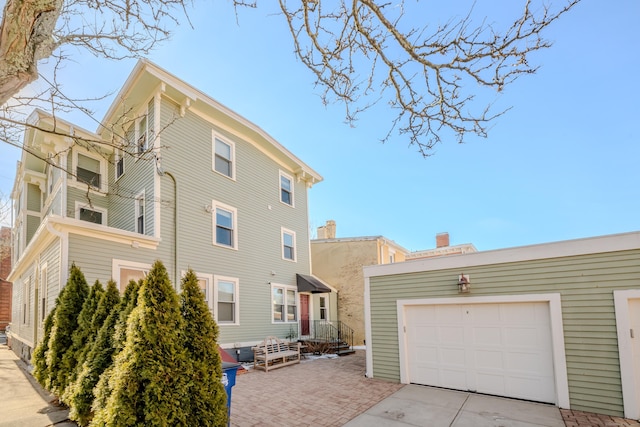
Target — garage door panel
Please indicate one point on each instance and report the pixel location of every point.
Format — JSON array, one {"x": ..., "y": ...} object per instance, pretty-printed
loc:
[
  {"x": 487, "y": 336},
  {"x": 452, "y": 356},
  {"x": 522, "y": 337},
  {"x": 489, "y": 360},
  {"x": 503, "y": 349},
  {"x": 451, "y": 335}
]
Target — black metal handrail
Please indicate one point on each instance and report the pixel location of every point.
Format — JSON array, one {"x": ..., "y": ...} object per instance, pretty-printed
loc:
[{"x": 335, "y": 332}]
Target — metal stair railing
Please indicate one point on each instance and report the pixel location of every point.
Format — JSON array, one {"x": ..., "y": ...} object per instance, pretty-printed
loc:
[{"x": 335, "y": 333}]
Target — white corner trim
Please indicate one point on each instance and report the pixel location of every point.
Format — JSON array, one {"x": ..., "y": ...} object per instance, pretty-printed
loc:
[
  {"x": 557, "y": 331},
  {"x": 367, "y": 329},
  {"x": 630, "y": 394}
]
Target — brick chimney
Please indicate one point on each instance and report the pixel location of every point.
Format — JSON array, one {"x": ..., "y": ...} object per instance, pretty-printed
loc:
[
  {"x": 327, "y": 231},
  {"x": 442, "y": 240}
]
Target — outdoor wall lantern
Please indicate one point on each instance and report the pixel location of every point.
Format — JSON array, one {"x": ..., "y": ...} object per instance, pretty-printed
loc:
[{"x": 464, "y": 284}]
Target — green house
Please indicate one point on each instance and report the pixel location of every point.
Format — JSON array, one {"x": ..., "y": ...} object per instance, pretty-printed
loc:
[{"x": 169, "y": 174}]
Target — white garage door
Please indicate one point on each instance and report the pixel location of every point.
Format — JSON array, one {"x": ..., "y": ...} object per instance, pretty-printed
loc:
[{"x": 502, "y": 349}]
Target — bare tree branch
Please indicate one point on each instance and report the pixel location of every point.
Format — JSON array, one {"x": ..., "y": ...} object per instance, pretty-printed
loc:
[{"x": 360, "y": 54}]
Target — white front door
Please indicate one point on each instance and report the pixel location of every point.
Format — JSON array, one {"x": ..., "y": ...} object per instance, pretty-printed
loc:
[{"x": 502, "y": 349}]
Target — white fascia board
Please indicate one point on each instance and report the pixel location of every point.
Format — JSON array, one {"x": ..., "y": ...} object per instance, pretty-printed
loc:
[
  {"x": 194, "y": 94},
  {"x": 591, "y": 245}
]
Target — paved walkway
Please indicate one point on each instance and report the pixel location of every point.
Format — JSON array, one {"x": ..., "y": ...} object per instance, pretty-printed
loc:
[{"x": 23, "y": 402}]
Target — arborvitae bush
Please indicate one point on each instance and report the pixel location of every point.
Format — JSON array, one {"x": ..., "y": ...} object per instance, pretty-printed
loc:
[
  {"x": 65, "y": 322},
  {"x": 81, "y": 339},
  {"x": 98, "y": 358},
  {"x": 39, "y": 358},
  {"x": 149, "y": 385},
  {"x": 113, "y": 343},
  {"x": 207, "y": 403}
]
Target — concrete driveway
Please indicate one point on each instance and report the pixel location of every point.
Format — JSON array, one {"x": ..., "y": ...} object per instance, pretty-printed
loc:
[{"x": 415, "y": 405}]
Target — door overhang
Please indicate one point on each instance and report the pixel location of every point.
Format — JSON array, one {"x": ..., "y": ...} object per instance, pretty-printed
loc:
[{"x": 311, "y": 284}]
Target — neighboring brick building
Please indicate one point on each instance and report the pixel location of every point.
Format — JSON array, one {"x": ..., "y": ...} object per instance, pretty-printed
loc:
[{"x": 5, "y": 269}]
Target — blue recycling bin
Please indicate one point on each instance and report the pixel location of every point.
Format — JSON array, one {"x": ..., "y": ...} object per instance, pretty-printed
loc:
[{"x": 229, "y": 371}]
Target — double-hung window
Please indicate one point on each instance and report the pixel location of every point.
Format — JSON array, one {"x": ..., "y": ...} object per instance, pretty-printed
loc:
[
  {"x": 223, "y": 157},
  {"x": 119, "y": 163},
  {"x": 226, "y": 300},
  {"x": 288, "y": 245},
  {"x": 88, "y": 170},
  {"x": 286, "y": 189},
  {"x": 225, "y": 225},
  {"x": 284, "y": 304},
  {"x": 145, "y": 134},
  {"x": 323, "y": 308},
  {"x": 139, "y": 214}
]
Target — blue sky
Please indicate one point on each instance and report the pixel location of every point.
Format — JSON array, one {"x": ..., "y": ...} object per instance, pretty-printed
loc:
[{"x": 561, "y": 164}]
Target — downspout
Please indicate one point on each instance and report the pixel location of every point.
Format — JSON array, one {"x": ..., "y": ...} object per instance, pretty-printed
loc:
[
  {"x": 175, "y": 229},
  {"x": 175, "y": 220}
]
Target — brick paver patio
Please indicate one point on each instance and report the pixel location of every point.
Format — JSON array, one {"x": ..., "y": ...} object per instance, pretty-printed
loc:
[
  {"x": 588, "y": 419},
  {"x": 321, "y": 392}
]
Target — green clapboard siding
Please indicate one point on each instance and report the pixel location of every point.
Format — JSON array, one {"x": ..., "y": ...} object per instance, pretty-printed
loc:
[
  {"x": 254, "y": 193},
  {"x": 585, "y": 283}
]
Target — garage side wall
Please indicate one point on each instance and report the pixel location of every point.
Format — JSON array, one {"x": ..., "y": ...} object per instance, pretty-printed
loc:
[{"x": 585, "y": 283}]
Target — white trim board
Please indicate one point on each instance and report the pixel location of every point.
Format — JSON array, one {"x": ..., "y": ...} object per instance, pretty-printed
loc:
[
  {"x": 630, "y": 394},
  {"x": 592, "y": 245}
]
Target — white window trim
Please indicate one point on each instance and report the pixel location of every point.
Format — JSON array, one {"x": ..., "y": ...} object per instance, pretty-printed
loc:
[
  {"x": 293, "y": 196},
  {"x": 297, "y": 303},
  {"x": 236, "y": 293},
  {"x": 103, "y": 171},
  {"x": 118, "y": 264},
  {"x": 214, "y": 207},
  {"x": 208, "y": 288},
  {"x": 292, "y": 233},
  {"x": 137, "y": 198},
  {"x": 82, "y": 205},
  {"x": 231, "y": 144}
]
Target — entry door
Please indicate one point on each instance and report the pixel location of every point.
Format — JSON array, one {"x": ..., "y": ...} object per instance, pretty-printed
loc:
[
  {"x": 634, "y": 320},
  {"x": 501, "y": 349},
  {"x": 304, "y": 314}
]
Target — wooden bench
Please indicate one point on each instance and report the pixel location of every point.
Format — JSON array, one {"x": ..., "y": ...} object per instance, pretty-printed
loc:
[{"x": 274, "y": 353}]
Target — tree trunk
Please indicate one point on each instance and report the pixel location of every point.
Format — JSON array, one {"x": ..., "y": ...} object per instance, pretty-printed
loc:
[{"x": 25, "y": 37}]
